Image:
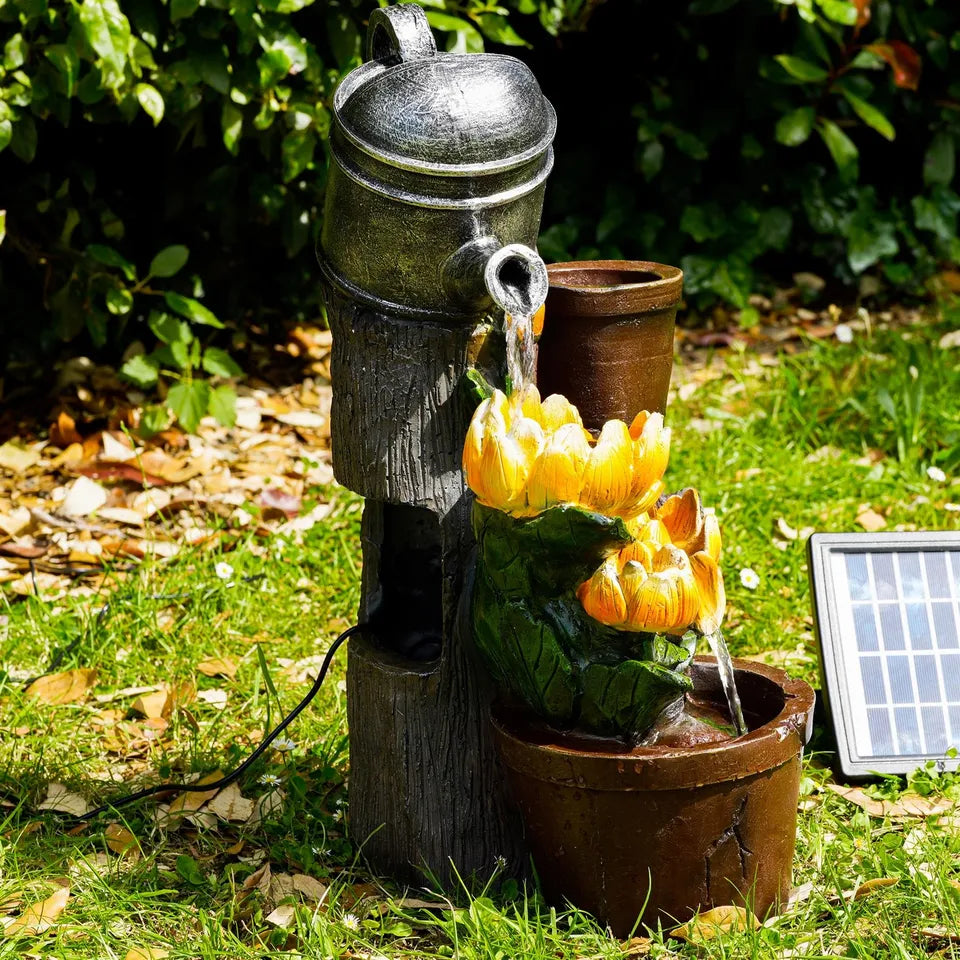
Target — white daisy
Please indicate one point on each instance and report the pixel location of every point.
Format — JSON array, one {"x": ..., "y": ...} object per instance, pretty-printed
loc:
[
  {"x": 843, "y": 333},
  {"x": 749, "y": 578},
  {"x": 223, "y": 570},
  {"x": 936, "y": 474},
  {"x": 351, "y": 921}
]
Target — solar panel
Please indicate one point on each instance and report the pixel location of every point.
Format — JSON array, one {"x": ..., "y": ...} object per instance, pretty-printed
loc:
[{"x": 887, "y": 616}]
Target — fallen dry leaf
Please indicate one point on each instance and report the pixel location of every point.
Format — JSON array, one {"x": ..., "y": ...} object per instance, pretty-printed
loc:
[
  {"x": 230, "y": 805},
  {"x": 268, "y": 805},
  {"x": 83, "y": 497},
  {"x": 412, "y": 903},
  {"x": 62, "y": 800},
  {"x": 63, "y": 432},
  {"x": 155, "y": 705},
  {"x": 218, "y": 667},
  {"x": 283, "y": 916},
  {"x": 715, "y": 923},
  {"x": 66, "y": 687},
  {"x": 120, "y": 840},
  {"x": 871, "y": 521},
  {"x": 193, "y": 800},
  {"x": 878, "y": 883},
  {"x": 309, "y": 888},
  {"x": 909, "y": 805},
  {"x": 940, "y": 933},
  {"x": 216, "y": 698},
  {"x": 306, "y": 419},
  {"x": 39, "y": 916},
  {"x": 17, "y": 458}
]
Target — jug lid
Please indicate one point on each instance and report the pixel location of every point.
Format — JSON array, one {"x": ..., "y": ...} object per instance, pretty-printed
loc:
[{"x": 450, "y": 114}]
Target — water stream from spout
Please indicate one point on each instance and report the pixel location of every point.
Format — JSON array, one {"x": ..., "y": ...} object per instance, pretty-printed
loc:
[
  {"x": 725, "y": 665},
  {"x": 520, "y": 350}
]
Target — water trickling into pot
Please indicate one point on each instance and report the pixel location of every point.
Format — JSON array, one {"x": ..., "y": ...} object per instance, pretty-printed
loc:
[{"x": 718, "y": 646}]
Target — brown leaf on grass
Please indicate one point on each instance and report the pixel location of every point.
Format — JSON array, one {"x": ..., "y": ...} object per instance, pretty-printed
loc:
[
  {"x": 154, "y": 705},
  {"x": 66, "y": 687},
  {"x": 716, "y": 922},
  {"x": 17, "y": 458},
  {"x": 62, "y": 800},
  {"x": 871, "y": 521},
  {"x": 909, "y": 804},
  {"x": 940, "y": 935},
  {"x": 64, "y": 431},
  {"x": 309, "y": 888},
  {"x": 283, "y": 916},
  {"x": 83, "y": 497},
  {"x": 878, "y": 883},
  {"x": 39, "y": 916},
  {"x": 217, "y": 667},
  {"x": 24, "y": 551},
  {"x": 193, "y": 800},
  {"x": 120, "y": 840},
  {"x": 230, "y": 805},
  {"x": 412, "y": 903},
  {"x": 270, "y": 804}
]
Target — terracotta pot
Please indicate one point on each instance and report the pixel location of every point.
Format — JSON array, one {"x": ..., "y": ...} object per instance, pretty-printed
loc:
[
  {"x": 607, "y": 342},
  {"x": 658, "y": 833}
]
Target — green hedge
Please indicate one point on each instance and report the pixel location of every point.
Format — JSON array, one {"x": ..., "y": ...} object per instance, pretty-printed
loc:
[{"x": 742, "y": 138}]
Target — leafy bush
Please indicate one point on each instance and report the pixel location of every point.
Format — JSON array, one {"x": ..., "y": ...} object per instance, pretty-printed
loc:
[
  {"x": 739, "y": 137},
  {"x": 772, "y": 136}
]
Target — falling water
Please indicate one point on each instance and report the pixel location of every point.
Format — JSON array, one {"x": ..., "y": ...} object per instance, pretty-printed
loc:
[
  {"x": 520, "y": 350},
  {"x": 725, "y": 665}
]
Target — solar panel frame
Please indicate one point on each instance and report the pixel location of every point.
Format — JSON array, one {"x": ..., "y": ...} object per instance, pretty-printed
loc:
[{"x": 846, "y": 641}]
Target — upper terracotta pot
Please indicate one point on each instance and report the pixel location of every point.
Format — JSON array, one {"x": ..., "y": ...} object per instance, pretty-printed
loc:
[{"x": 607, "y": 342}]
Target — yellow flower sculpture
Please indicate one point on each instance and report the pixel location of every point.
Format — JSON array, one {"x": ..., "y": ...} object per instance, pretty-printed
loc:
[
  {"x": 668, "y": 579},
  {"x": 524, "y": 455}
]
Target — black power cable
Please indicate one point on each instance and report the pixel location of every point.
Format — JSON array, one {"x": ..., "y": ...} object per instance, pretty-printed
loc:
[{"x": 239, "y": 771}]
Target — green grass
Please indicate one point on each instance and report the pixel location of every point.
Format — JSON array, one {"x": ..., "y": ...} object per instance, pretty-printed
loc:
[{"x": 809, "y": 439}]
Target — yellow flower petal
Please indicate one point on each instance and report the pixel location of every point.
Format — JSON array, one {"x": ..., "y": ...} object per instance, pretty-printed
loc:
[
  {"x": 557, "y": 411},
  {"x": 667, "y": 601},
  {"x": 651, "y": 453},
  {"x": 527, "y": 404},
  {"x": 558, "y": 472},
  {"x": 713, "y": 597},
  {"x": 602, "y": 597},
  {"x": 682, "y": 515},
  {"x": 489, "y": 420},
  {"x": 606, "y": 479},
  {"x": 709, "y": 540}
]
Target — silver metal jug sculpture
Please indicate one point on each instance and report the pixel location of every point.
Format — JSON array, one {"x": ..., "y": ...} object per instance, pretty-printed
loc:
[{"x": 435, "y": 190}]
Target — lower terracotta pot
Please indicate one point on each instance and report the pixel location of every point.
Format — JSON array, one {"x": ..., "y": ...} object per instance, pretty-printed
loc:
[{"x": 659, "y": 833}]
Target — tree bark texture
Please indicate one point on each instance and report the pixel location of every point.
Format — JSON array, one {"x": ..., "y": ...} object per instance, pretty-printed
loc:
[{"x": 426, "y": 788}]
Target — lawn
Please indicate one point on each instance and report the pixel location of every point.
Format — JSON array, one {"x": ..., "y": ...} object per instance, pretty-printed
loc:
[{"x": 779, "y": 442}]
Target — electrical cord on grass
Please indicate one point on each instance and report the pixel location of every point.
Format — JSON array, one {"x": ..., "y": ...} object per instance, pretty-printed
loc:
[{"x": 239, "y": 771}]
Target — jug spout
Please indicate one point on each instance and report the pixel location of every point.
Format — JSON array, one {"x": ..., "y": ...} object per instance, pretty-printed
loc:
[
  {"x": 513, "y": 275},
  {"x": 516, "y": 278}
]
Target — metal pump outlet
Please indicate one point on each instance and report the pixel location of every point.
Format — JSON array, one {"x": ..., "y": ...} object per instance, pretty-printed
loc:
[{"x": 433, "y": 202}]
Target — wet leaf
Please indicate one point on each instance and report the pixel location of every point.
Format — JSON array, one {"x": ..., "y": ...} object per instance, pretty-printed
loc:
[
  {"x": 39, "y": 916},
  {"x": 66, "y": 687},
  {"x": 904, "y": 61},
  {"x": 716, "y": 922}
]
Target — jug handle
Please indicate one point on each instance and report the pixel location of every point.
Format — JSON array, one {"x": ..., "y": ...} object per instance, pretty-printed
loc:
[{"x": 399, "y": 34}]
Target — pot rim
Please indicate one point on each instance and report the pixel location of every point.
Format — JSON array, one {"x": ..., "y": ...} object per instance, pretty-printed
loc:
[
  {"x": 776, "y": 742},
  {"x": 619, "y": 299}
]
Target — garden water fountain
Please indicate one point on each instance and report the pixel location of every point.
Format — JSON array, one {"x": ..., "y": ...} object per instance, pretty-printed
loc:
[{"x": 521, "y": 562}]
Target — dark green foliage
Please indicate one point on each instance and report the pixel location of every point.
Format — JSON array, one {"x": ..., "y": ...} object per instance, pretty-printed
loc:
[
  {"x": 740, "y": 138},
  {"x": 770, "y": 137},
  {"x": 541, "y": 646}
]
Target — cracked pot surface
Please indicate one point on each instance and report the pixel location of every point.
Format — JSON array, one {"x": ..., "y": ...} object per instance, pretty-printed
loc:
[{"x": 698, "y": 827}]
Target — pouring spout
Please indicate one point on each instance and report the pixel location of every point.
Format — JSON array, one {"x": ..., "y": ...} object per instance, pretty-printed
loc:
[{"x": 516, "y": 279}]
